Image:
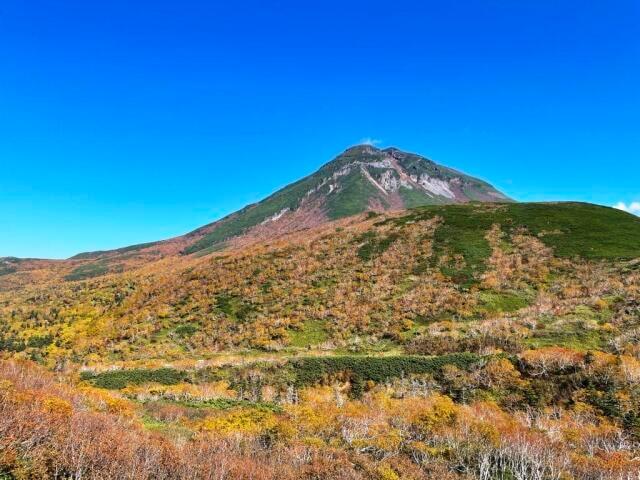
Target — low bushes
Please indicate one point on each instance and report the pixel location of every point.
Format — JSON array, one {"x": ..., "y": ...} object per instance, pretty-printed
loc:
[
  {"x": 313, "y": 370},
  {"x": 117, "y": 379}
]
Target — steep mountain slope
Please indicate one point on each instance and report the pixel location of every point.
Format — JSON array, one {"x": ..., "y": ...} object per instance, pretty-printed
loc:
[{"x": 360, "y": 179}]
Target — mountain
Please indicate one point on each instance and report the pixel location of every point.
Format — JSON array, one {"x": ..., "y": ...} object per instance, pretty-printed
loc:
[{"x": 363, "y": 178}]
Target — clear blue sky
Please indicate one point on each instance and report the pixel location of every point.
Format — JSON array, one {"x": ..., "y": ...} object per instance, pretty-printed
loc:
[{"x": 129, "y": 121}]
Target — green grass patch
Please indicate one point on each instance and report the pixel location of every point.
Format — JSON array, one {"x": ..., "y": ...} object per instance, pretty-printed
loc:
[
  {"x": 84, "y": 272},
  {"x": 374, "y": 246},
  {"x": 233, "y": 306},
  {"x": 151, "y": 423},
  {"x": 570, "y": 334},
  {"x": 186, "y": 330},
  {"x": 353, "y": 197},
  {"x": 313, "y": 332},
  {"x": 572, "y": 229},
  {"x": 576, "y": 340},
  {"x": 412, "y": 198},
  {"x": 496, "y": 302},
  {"x": 457, "y": 235}
]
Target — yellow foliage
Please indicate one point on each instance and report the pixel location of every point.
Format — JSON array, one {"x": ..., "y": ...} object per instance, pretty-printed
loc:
[
  {"x": 386, "y": 439},
  {"x": 500, "y": 372},
  {"x": 437, "y": 411},
  {"x": 282, "y": 431},
  {"x": 313, "y": 442},
  {"x": 57, "y": 406},
  {"x": 119, "y": 406},
  {"x": 6, "y": 385},
  {"x": 385, "y": 472},
  {"x": 242, "y": 421},
  {"x": 600, "y": 304}
]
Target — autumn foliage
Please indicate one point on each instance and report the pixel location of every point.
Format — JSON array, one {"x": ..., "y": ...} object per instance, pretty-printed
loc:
[{"x": 396, "y": 346}]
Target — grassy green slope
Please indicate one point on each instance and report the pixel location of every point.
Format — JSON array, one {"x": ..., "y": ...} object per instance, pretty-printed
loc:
[
  {"x": 572, "y": 229},
  {"x": 353, "y": 198},
  {"x": 99, "y": 253}
]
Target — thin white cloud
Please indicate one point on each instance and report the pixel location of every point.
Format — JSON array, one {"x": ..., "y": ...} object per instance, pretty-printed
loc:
[
  {"x": 633, "y": 207},
  {"x": 370, "y": 141}
]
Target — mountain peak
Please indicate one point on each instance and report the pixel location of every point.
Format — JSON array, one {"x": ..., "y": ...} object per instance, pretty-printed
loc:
[
  {"x": 361, "y": 178},
  {"x": 361, "y": 148}
]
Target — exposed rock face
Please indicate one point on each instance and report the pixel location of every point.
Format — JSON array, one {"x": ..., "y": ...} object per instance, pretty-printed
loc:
[{"x": 436, "y": 186}]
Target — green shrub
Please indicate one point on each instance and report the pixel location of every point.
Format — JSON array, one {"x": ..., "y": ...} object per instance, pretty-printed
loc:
[
  {"x": 185, "y": 330},
  {"x": 40, "y": 341},
  {"x": 233, "y": 306},
  {"x": 312, "y": 370},
  {"x": 118, "y": 379},
  {"x": 229, "y": 403},
  {"x": 12, "y": 344},
  {"x": 375, "y": 246},
  {"x": 89, "y": 270}
]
